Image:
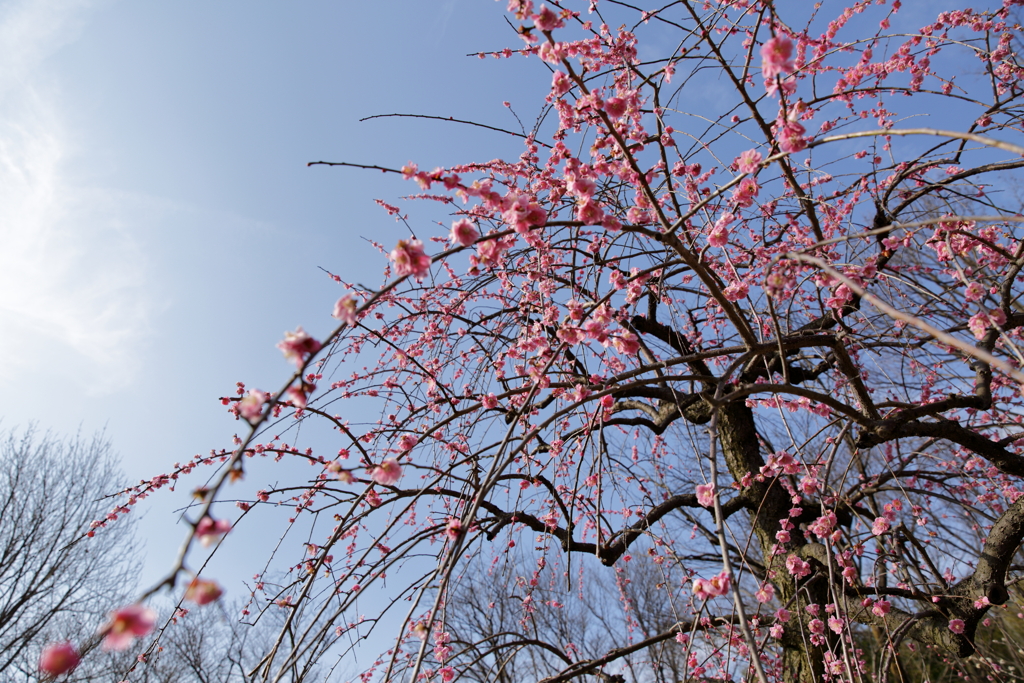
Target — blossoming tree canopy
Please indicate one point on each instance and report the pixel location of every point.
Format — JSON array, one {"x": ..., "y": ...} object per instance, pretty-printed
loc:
[{"x": 747, "y": 305}]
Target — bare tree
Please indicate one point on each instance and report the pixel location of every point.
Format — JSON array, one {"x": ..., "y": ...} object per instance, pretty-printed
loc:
[{"x": 56, "y": 583}]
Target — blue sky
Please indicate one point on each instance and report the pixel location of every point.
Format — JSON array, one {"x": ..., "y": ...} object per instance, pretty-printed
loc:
[{"x": 160, "y": 227}]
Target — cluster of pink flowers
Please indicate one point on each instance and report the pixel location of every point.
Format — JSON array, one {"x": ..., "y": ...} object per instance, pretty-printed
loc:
[
  {"x": 125, "y": 625},
  {"x": 776, "y": 57},
  {"x": 410, "y": 259},
  {"x": 387, "y": 473},
  {"x": 980, "y": 323},
  {"x": 705, "y": 589},
  {"x": 203, "y": 592},
  {"x": 209, "y": 530},
  {"x": 58, "y": 659},
  {"x": 297, "y": 346},
  {"x": 345, "y": 310}
]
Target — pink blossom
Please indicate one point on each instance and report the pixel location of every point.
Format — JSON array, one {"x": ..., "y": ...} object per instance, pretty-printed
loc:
[
  {"x": 706, "y": 495},
  {"x": 835, "y": 624},
  {"x": 464, "y": 232},
  {"x": 775, "y": 57},
  {"x": 719, "y": 584},
  {"x": 552, "y": 53},
  {"x": 299, "y": 393},
  {"x": 407, "y": 442},
  {"x": 745, "y": 194},
  {"x": 797, "y": 567},
  {"x": 581, "y": 186},
  {"x": 490, "y": 401},
  {"x": 203, "y": 592},
  {"x": 209, "y": 531},
  {"x": 297, "y": 346},
  {"x": 410, "y": 259},
  {"x": 881, "y": 608},
  {"x": 765, "y": 593},
  {"x": 125, "y": 625},
  {"x": 627, "y": 343},
  {"x": 704, "y": 589},
  {"x": 956, "y": 626},
  {"x": 615, "y": 107},
  {"x": 373, "y": 498},
  {"x": 546, "y": 20},
  {"x": 790, "y": 136},
  {"x": 749, "y": 161},
  {"x": 736, "y": 291},
  {"x": 560, "y": 83},
  {"x": 345, "y": 310},
  {"x": 447, "y": 673},
  {"x": 974, "y": 292},
  {"x": 454, "y": 528},
  {"x": 58, "y": 659},
  {"x": 719, "y": 236},
  {"x": 488, "y": 252},
  {"x": 880, "y": 526},
  {"x": 980, "y": 322},
  {"x": 611, "y": 223},
  {"x": 387, "y": 473},
  {"x": 251, "y": 406},
  {"x": 589, "y": 213}
]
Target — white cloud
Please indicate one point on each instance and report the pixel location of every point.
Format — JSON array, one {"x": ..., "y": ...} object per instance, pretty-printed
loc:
[{"x": 72, "y": 276}]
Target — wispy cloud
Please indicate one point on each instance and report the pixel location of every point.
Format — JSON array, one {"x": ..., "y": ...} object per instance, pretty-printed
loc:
[{"x": 72, "y": 276}]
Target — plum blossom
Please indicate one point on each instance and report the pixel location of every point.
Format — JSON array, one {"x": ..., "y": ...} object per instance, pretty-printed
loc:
[
  {"x": 299, "y": 393},
  {"x": 345, "y": 310},
  {"x": 706, "y": 494},
  {"x": 407, "y": 442},
  {"x": 765, "y": 592},
  {"x": 453, "y": 529},
  {"x": 560, "y": 83},
  {"x": 125, "y": 625},
  {"x": 719, "y": 236},
  {"x": 387, "y": 473},
  {"x": 797, "y": 567},
  {"x": 251, "y": 406},
  {"x": 736, "y": 291},
  {"x": 749, "y": 161},
  {"x": 776, "y": 57},
  {"x": 410, "y": 259},
  {"x": 790, "y": 135},
  {"x": 464, "y": 233},
  {"x": 745, "y": 194},
  {"x": 615, "y": 107},
  {"x": 974, "y": 292},
  {"x": 956, "y": 626},
  {"x": 58, "y": 659},
  {"x": 546, "y": 19},
  {"x": 209, "y": 531},
  {"x": 627, "y": 343},
  {"x": 881, "y": 608},
  {"x": 488, "y": 253},
  {"x": 203, "y": 592},
  {"x": 980, "y": 322},
  {"x": 880, "y": 526},
  {"x": 297, "y": 346},
  {"x": 589, "y": 212},
  {"x": 704, "y": 589}
]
